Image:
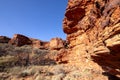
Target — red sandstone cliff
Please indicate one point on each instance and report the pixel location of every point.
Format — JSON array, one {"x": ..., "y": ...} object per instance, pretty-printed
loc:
[
  {"x": 93, "y": 33},
  {"x": 91, "y": 51}
]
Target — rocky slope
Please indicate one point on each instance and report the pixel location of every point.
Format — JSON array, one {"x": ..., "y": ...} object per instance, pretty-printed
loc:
[
  {"x": 24, "y": 58},
  {"x": 93, "y": 29}
]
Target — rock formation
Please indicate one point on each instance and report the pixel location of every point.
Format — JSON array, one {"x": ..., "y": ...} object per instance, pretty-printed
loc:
[
  {"x": 36, "y": 43},
  {"x": 90, "y": 52},
  {"x": 4, "y": 39},
  {"x": 93, "y": 30},
  {"x": 20, "y": 40},
  {"x": 40, "y": 44},
  {"x": 56, "y": 43}
]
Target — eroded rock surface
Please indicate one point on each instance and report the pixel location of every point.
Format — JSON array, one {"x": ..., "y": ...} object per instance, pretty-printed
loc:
[
  {"x": 40, "y": 44},
  {"x": 91, "y": 51},
  {"x": 56, "y": 43},
  {"x": 20, "y": 40},
  {"x": 93, "y": 28}
]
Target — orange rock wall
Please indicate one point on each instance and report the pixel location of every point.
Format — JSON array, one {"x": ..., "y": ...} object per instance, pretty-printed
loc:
[
  {"x": 93, "y": 28},
  {"x": 91, "y": 23}
]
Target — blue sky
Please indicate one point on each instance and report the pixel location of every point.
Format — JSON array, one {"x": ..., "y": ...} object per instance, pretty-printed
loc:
[{"x": 41, "y": 19}]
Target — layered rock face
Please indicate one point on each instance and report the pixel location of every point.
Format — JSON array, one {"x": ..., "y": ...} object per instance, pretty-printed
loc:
[
  {"x": 40, "y": 44},
  {"x": 93, "y": 31},
  {"x": 56, "y": 43},
  {"x": 20, "y": 40}
]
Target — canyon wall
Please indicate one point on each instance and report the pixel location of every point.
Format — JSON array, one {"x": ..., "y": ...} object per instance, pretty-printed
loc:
[{"x": 93, "y": 32}]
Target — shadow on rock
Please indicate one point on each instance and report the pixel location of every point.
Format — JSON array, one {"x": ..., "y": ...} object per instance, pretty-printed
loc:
[{"x": 110, "y": 64}]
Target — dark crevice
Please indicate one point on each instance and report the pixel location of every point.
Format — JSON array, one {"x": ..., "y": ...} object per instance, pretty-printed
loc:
[{"x": 110, "y": 76}]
